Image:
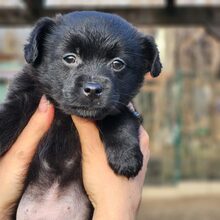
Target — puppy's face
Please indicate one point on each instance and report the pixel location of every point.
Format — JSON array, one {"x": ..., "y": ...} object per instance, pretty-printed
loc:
[{"x": 89, "y": 63}]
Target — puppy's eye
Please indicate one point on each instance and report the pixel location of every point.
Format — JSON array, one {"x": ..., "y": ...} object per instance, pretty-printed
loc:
[
  {"x": 118, "y": 64},
  {"x": 69, "y": 58}
]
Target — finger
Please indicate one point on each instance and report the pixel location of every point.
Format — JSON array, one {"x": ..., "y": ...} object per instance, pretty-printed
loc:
[
  {"x": 85, "y": 127},
  {"x": 144, "y": 142},
  {"x": 93, "y": 152},
  {"x": 144, "y": 146},
  {"x": 14, "y": 164},
  {"x": 25, "y": 146},
  {"x": 88, "y": 132}
]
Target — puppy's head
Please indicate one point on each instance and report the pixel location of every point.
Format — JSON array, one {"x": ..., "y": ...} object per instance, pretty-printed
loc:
[{"x": 90, "y": 63}]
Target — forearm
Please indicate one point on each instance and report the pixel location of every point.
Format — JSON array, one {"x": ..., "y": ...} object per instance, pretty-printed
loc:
[
  {"x": 114, "y": 212},
  {"x": 115, "y": 209}
]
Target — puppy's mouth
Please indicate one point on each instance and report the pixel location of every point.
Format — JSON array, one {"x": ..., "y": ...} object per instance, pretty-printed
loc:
[{"x": 87, "y": 112}]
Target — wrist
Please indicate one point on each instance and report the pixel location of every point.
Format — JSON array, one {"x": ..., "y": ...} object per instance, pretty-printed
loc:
[{"x": 114, "y": 211}]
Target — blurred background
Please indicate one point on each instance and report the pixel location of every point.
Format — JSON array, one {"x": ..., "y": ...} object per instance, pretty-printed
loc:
[{"x": 181, "y": 108}]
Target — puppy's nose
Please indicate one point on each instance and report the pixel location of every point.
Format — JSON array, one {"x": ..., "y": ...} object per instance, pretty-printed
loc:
[{"x": 92, "y": 89}]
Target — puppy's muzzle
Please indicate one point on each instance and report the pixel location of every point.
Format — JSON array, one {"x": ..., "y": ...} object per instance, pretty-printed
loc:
[{"x": 92, "y": 89}]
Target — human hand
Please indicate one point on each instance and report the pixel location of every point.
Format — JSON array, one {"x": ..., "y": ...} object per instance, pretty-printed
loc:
[
  {"x": 15, "y": 162},
  {"x": 113, "y": 197}
]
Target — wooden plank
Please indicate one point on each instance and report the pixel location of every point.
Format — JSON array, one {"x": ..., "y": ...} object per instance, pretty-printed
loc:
[{"x": 181, "y": 16}]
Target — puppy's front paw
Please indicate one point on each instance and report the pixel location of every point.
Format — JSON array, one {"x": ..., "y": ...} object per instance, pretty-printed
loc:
[{"x": 126, "y": 163}]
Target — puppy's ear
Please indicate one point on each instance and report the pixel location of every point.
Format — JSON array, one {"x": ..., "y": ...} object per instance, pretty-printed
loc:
[
  {"x": 151, "y": 54},
  {"x": 34, "y": 48}
]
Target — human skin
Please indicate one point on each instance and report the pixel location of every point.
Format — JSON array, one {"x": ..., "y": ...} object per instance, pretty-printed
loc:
[
  {"x": 113, "y": 197},
  {"x": 14, "y": 164}
]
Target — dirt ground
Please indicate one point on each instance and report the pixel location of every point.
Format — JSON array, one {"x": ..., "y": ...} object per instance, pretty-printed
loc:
[
  {"x": 180, "y": 209},
  {"x": 198, "y": 204}
]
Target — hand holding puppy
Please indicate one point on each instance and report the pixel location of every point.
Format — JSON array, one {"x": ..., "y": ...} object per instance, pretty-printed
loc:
[
  {"x": 14, "y": 164},
  {"x": 113, "y": 197}
]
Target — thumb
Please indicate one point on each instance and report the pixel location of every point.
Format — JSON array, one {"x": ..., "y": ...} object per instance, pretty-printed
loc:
[
  {"x": 14, "y": 164},
  {"x": 23, "y": 149},
  {"x": 91, "y": 143}
]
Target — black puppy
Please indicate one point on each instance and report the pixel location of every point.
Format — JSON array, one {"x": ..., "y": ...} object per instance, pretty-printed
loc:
[{"x": 90, "y": 64}]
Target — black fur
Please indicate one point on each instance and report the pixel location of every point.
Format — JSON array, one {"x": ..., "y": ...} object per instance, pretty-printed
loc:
[{"x": 96, "y": 39}]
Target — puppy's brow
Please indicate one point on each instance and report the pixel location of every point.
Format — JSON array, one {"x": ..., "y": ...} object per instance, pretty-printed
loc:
[
  {"x": 78, "y": 50},
  {"x": 75, "y": 42},
  {"x": 113, "y": 50},
  {"x": 89, "y": 45}
]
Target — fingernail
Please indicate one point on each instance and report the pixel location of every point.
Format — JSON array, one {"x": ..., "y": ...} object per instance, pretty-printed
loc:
[{"x": 44, "y": 104}]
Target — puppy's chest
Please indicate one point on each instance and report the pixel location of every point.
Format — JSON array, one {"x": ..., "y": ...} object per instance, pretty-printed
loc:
[
  {"x": 53, "y": 203},
  {"x": 54, "y": 184},
  {"x": 58, "y": 156}
]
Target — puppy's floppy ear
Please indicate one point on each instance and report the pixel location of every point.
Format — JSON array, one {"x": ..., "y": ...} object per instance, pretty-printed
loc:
[
  {"x": 151, "y": 53},
  {"x": 34, "y": 48}
]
